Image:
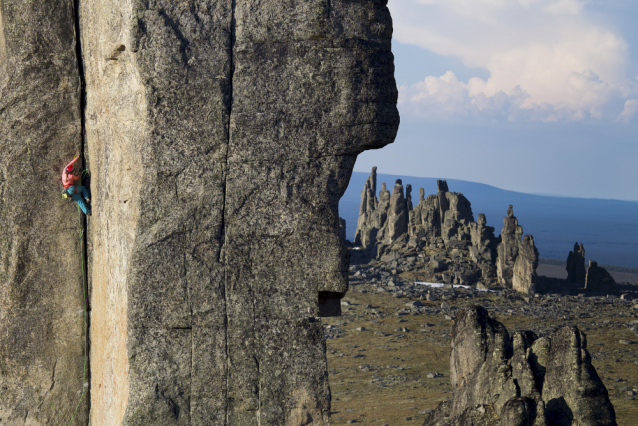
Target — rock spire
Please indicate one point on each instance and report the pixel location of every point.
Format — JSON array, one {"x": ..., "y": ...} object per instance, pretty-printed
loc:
[{"x": 576, "y": 265}]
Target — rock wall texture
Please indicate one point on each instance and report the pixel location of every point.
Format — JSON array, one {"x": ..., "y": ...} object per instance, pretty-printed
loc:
[
  {"x": 41, "y": 300},
  {"x": 520, "y": 380},
  {"x": 220, "y": 137}
]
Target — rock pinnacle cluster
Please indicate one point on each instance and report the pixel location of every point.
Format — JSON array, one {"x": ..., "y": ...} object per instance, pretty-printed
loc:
[{"x": 442, "y": 228}]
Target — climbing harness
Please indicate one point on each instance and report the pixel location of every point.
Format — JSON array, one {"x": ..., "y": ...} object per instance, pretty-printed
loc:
[{"x": 65, "y": 193}]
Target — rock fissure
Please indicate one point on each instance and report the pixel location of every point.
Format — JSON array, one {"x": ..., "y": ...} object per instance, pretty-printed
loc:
[
  {"x": 85, "y": 385},
  {"x": 222, "y": 257}
]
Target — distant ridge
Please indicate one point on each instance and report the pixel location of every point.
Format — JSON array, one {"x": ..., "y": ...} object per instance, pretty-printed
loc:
[{"x": 607, "y": 228}]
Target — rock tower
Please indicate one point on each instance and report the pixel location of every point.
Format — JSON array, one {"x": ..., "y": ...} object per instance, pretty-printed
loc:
[
  {"x": 500, "y": 379},
  {"x": 576, "y": 265},
  {"x": 219, "y": 136}
]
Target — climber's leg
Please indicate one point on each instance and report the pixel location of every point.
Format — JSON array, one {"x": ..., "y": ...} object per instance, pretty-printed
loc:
[
  {"x": 83, "y": 206},
  {"x": 85, "y": 192}
]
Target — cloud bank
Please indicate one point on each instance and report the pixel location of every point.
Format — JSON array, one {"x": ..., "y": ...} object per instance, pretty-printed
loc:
[{"x": 549, "y": 60}]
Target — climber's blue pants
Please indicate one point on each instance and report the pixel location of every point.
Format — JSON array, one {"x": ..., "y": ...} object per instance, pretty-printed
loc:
[{"x": 80, "y": 198}]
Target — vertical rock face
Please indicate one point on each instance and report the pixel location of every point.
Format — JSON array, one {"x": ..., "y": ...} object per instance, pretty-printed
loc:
[
  {"x": 426, "y": 220},
  {"x": 484, "y": 245},
  {"x": 523, "y": 380},
  {"x": 220, "y": 139},
  {"x": 524, "y": 273},
  {"x": 456, "y": 219},
  {"x": 576, "y": 265},
  {"x": 572, "y": 391},
  {"x": 41, "y": 297},
  {"x": 342, "y": 230},
  {"x": 511, "y": 237},
  {"x": 598, "y": 279},
  {"x": 397, "y": 214}
]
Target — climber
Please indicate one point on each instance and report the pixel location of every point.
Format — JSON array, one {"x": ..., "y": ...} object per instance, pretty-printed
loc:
[{"x": 77, "y": 192}]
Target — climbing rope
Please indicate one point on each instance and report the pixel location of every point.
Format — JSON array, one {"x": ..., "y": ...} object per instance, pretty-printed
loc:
[
  {"x": 86, "y": 324},
  {"x": 86, "y": 306}
]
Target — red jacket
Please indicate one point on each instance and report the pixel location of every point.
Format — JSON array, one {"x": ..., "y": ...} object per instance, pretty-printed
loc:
[{"x": 68, "y": 178}]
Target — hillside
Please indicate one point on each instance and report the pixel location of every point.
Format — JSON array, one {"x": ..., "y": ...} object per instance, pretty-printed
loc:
[{"x": 607, "y": 228}]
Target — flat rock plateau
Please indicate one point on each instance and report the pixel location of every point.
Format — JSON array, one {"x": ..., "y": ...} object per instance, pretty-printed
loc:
[{"x": 389, "y": 352}]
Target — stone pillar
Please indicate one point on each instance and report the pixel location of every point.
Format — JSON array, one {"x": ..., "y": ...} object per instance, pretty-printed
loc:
[
  {"x": 511, "y": 237},
  {"x": 397, "y": 216},
  {"x": 575, "y": 265},
  {"x": 218, "y": 181}
]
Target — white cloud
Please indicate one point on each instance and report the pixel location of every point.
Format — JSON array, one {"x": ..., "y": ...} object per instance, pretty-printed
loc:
[
  {"x": 547, "y": 58},
  {"x": 630, "y": 110}
]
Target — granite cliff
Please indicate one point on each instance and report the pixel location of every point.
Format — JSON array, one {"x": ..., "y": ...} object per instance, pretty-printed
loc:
[{"x": 219, "y": 139}]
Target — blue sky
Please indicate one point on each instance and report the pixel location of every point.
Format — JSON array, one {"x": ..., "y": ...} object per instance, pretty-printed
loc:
[{"x": 536, "y": 96}]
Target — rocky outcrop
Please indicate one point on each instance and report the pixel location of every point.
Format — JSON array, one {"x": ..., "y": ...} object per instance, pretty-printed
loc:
[
  {"x": 576, "y": 265},
  {"x": 598, "y": 280},
  {"x": 373, "y": 221},
  {"x": 524, "y": 273},
  {"x": 511, "y": 237},
  {"x": 523, "y": 380},
  {"x": 220, "y": 137},
  {"x": 42, "y": 307},
  {"x": 484, "y": 244},
  {"x": 397, "y": 214},
  {"x": 453, "y": 247},
  {"x": 425, "y": 219},
  {"x": 457, "y": 218},
  {"x": 517, "y": 256}
]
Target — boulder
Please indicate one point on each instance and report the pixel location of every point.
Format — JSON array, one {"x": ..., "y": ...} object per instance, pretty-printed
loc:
[{"x": 598, "y": 280}]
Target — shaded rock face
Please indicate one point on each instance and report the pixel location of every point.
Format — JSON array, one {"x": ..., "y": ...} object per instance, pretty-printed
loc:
[
  {"x": 220, "y": 137},
  {"x": 41, "y": 298},
  {"x": 575, "y": 265},
  {"x": 598, "y": 280},
  {"x": 520, "y": 380},
  {"x": 342, "y": 230}
]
